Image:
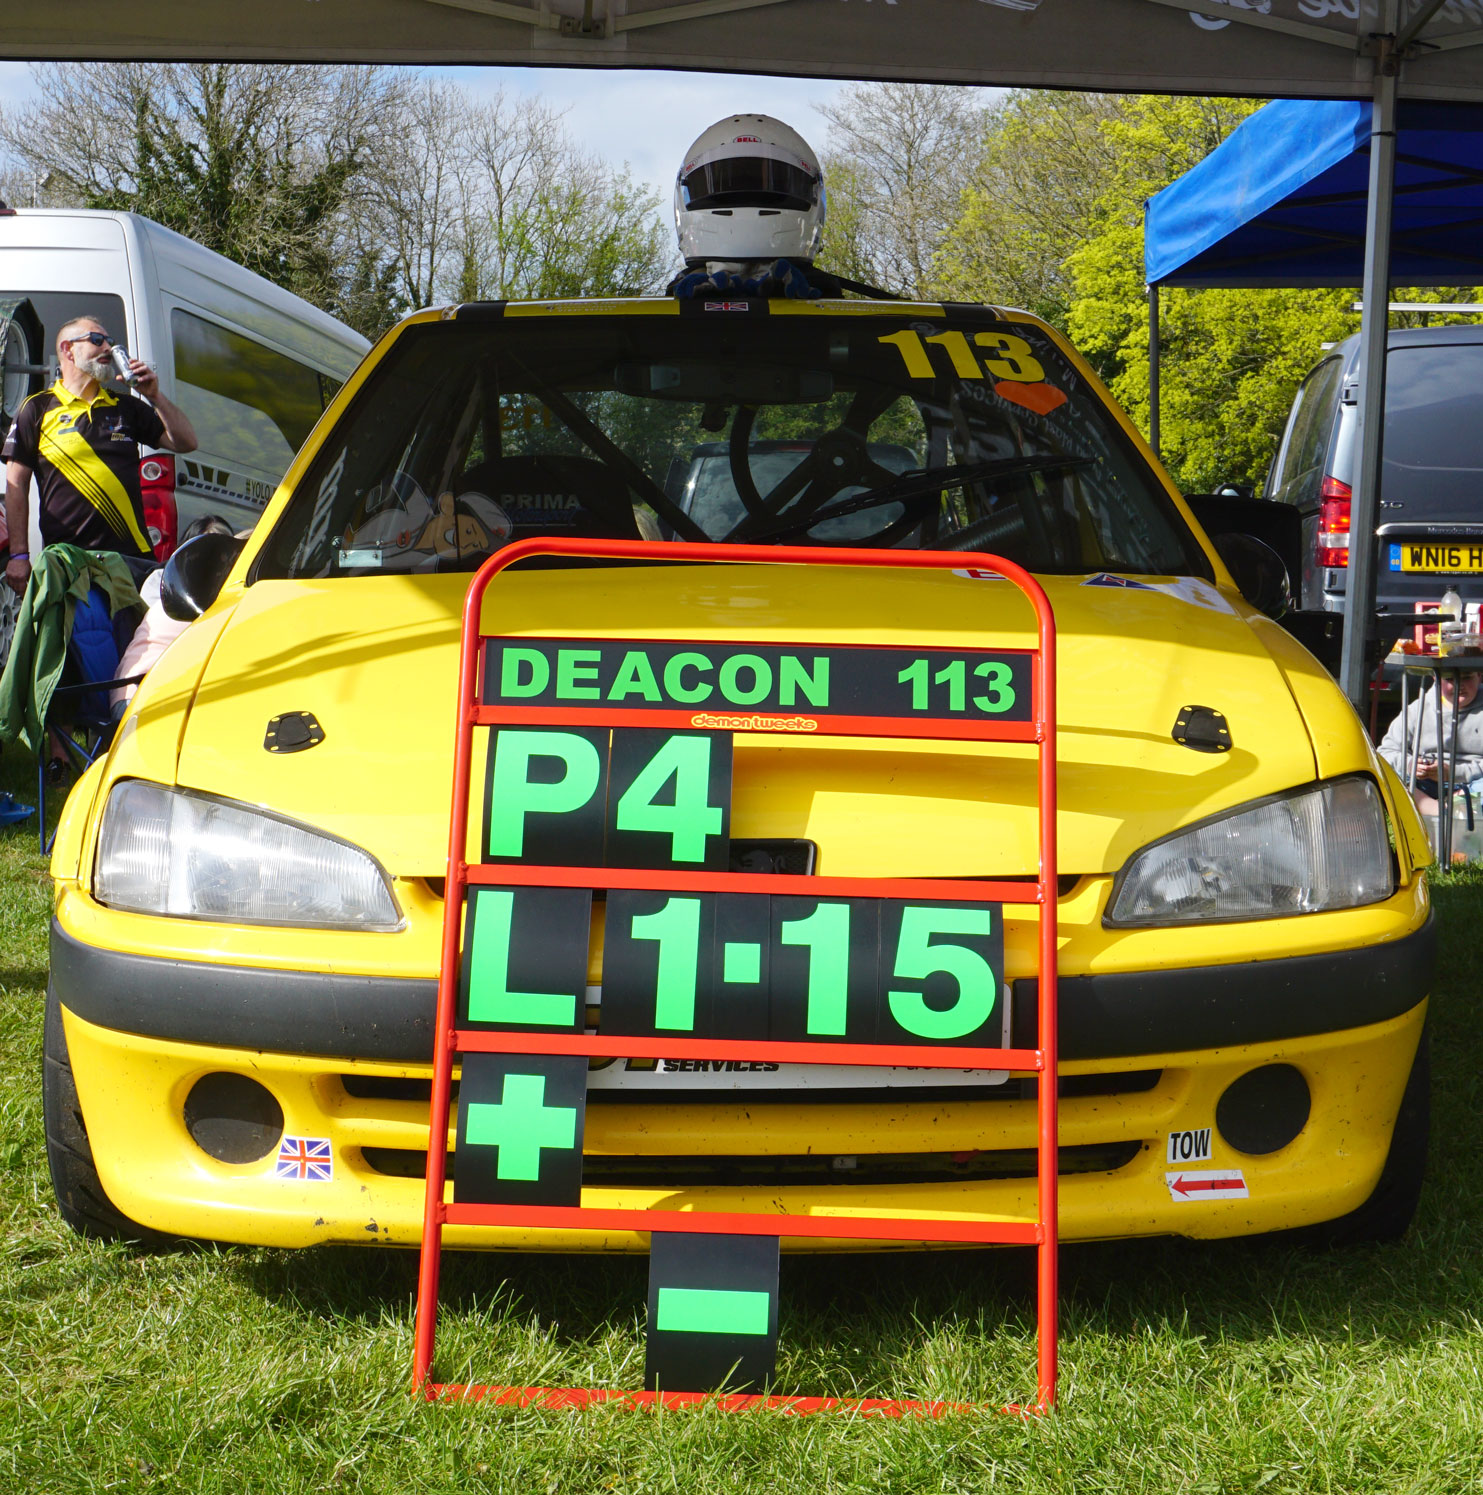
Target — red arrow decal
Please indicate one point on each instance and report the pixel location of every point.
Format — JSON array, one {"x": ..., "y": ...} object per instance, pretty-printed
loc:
[{"x": 1183, "y": 1185}]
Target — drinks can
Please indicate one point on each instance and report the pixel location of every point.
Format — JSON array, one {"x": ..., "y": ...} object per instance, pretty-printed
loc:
[{"x": 120, "y": 358}]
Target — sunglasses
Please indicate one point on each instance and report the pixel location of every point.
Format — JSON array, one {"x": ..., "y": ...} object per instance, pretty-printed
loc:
[{"x": 97, "y": 339}]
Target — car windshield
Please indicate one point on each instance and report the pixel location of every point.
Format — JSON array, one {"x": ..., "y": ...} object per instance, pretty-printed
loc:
[
  {"x": 725, "y": 423},
  {"x": 708, "y": 490},
  {"x": 1433, "y": 452}
]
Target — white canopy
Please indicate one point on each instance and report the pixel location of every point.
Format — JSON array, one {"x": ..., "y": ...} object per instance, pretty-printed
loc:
[
  {"x": 1293, "y": 48},
  {"x": 1368, "y": 49}
]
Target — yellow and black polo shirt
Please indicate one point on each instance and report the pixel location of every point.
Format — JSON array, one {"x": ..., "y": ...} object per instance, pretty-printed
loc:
[{"x": 85, "y": 455}]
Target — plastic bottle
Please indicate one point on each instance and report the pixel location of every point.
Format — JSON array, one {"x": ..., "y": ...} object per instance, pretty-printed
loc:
[{"x": 1448, "y": 634}]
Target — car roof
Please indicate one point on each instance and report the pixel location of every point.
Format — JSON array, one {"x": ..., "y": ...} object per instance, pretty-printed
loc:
[
  {"x": 1412, "y": 337},
  {"x": 474, "y": 311}
]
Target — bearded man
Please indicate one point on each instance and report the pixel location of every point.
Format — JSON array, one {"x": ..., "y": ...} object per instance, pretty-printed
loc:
[{"x": 81, "y": 440}]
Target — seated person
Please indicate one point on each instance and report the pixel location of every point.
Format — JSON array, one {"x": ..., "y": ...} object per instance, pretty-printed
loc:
[
  {"x": 515, "y": 498},
  {"x": 1401, "y": 740},
  {"x": 156, "y": 630}
]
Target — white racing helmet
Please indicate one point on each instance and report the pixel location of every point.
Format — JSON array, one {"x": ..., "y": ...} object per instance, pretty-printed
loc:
[{"x": 750, "y": 189}]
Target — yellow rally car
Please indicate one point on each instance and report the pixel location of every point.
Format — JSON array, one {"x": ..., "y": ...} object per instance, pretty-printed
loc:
[{"x": 249, "y": 890}]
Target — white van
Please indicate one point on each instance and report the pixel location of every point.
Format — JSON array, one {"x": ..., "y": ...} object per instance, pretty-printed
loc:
[{"x": 252, "y": 365}]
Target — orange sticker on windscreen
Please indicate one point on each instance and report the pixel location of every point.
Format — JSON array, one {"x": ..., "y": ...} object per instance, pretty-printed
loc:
[{"x": 1041, "y": 398}]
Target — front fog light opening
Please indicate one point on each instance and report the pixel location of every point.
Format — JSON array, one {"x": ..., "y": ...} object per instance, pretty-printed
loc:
[
  {"x": 1264, "y": 1110},
  {"x": 232, "y": 1118}
]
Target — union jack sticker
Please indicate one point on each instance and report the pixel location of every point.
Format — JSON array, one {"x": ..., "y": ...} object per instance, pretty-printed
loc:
[{"x": 305, "y": 1158}]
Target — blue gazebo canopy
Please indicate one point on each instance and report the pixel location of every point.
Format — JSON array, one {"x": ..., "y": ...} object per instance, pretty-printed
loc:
[{"x": 1281, "y": 202}]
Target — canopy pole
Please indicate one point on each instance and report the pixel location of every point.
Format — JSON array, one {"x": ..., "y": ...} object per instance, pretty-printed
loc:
[
  {"x": 1359, "y": 605},
  {"x": 1153, "y": 371}
]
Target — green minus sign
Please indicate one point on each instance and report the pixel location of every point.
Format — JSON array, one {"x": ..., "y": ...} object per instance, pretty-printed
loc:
[{"x": 703, "y": 1310}]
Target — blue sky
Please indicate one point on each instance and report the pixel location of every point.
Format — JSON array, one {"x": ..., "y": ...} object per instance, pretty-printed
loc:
[{"x": 644, "y": 118}]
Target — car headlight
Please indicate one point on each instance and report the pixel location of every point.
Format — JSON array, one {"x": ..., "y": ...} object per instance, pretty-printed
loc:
[
  {"x": 173, "y": 851},
  {"x": 1314, "y": 849}
]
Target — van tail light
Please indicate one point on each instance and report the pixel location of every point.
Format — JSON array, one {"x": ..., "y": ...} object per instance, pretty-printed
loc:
[
  {"x": 1333, "y": 522},
  {"x": 157, "y": 488}
]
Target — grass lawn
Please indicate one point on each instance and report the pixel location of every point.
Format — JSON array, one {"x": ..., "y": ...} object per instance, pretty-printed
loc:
[{"x": 1216, "y": 1368}]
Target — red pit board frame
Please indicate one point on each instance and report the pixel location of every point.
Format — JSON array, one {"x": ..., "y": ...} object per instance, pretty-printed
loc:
[{"x": 449, "y": 1040}]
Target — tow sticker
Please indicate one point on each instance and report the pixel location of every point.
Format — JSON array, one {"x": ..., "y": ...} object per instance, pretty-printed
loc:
[
  {"x": 1188, "y": 1147},
  {"x": 1193, "y": 1186}
]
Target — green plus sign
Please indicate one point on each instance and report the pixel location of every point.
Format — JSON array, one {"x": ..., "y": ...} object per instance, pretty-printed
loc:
[{"x": 521, "y": 1125}]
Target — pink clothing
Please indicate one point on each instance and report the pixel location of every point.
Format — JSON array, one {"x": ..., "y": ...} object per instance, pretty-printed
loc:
[{"x": 151, "y": 638}]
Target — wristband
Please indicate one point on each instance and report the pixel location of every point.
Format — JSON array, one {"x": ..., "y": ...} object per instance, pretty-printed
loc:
[{"x": 20, "y": 555}]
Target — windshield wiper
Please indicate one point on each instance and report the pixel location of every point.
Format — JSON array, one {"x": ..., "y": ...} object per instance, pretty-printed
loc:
[{"x": 923, "y": 483}]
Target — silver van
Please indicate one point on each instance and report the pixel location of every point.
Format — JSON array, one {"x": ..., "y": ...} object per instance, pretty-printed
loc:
[
  {"x": 252, "y": 365},
  {"x": 1431, "y": 488}
]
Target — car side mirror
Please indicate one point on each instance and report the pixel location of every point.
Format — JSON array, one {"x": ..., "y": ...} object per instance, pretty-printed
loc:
[
  {"x": 1258, "y": 571},
  {"x": 194, "y": 575}
]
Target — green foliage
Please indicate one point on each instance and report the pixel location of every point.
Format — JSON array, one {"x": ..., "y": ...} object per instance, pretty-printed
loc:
[
  {"x": 1187, "y": 1366},
  {"x": 844, "y": 250},
  {"x": 217, "y": 173},
  {"x": 1231, "y": 360},
  {"x": 1052, "y": 220},
  {"x": 363, "y": 190},
  {"x": 590, "y": 234},
  {"x": 257, "y": 163},
  {"x": 1028, "y": 205},
  {"x": 369, "y": 297}
]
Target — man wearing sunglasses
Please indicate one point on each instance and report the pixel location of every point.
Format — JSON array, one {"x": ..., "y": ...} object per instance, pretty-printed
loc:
[{"x": 81, "y": 440}]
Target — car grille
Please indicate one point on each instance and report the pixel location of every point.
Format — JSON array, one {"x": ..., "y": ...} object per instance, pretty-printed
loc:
[
  {"x": 1128, "y": 1082},
  {"x": 812, "y": 1169}
]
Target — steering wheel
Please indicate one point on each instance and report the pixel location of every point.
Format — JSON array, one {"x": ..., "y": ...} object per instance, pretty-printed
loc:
[
  {"x": 840, "y": 459},
  {"x": 988, "y": 534}
]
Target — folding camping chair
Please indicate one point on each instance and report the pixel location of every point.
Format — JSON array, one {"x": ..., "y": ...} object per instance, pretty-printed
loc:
[{"x": 79, "y": 715}]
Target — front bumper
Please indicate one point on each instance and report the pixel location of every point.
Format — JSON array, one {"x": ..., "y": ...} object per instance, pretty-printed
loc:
[{"x": 347, "y": 1059}]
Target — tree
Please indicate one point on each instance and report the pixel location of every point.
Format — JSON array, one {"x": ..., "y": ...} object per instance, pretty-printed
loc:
[
  {"x": 555, "y": 220},
  {"x": 370, "y": 297},
  {"x": 1230, "y": 359},
  {"x": 1031, "y": 201},
  {"x": 255, "y": 161},
  {"x": 1053, "y": 221},
  {"x": 899, "y": 154},
  {"x": 493, "y": 200},
  {"x": 414, "y": 206},
  {"x": 595, "y": 233},
  {"x": 367, "y": 192},
  {"x": 845, "y": 249}
]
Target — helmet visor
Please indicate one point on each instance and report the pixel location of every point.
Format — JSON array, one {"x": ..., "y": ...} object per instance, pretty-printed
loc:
[{"x": 749, "y": 182}]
